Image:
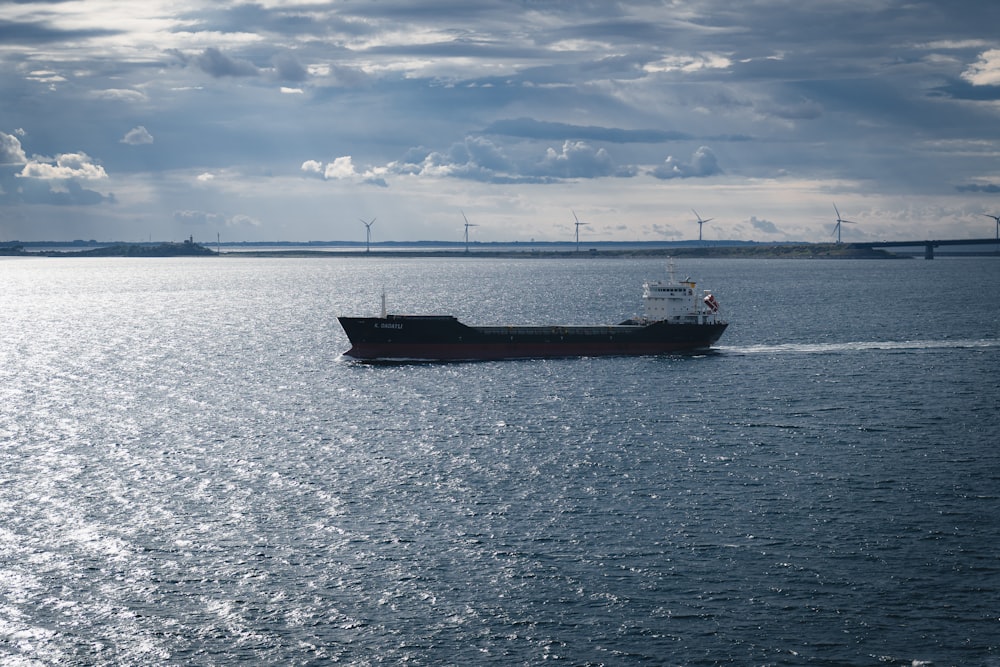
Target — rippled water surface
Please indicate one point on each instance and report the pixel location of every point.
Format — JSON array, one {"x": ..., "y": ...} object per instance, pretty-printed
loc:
[{"x": 191, "y": 473}]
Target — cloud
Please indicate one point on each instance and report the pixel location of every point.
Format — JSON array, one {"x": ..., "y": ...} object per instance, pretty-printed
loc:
[
  {"x": 198, "y": 218},
  {"x": 68, "y": 193},
  {"x": 989, "y": 188},
  {"x": 244, "y": 221},
  {"x": 66, "y": 166},
  {"x": 703, "y": 163},
  {"x": 288, "y": 68},
  {"x": 312, "y": 167},
  {"x": 830, "y": 98},
  {"x": 10, "y": 150},
  {"x": 765, "y": 226},
  {"x": 47, "y": 181},
  {"x": 207, "y": 219},
  {"x": 985, "y": 71},
  {"x": 578, "y": 159},
  {"x": 215, "y": 63},
  {"x": 341, "y": 167},
  {"x": 689, "y": 63},
  {"x": 137, "y": 136},
  {"x": 801, "y": 110},
  {"x": 35, "y": 33},
  {"x": 119, "y": 95},
  {"x": 535, "y": 129},
  {"x": 479, "y": 159}
]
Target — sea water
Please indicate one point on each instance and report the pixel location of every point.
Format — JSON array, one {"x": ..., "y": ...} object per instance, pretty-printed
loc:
[{"x": 191, "y": 473}]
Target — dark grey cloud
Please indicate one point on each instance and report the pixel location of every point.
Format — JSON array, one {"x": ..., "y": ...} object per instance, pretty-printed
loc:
[
  {"x": 988, "y": 188},
  {"x": 39, "y": 32},
  {"x": 33, "y": 192},
  {"x": 963, "y": 90},
  {"x": 288, "y": 68},
  {"x": 215, "y": 63},
  {"x": 765, "y": 226}
]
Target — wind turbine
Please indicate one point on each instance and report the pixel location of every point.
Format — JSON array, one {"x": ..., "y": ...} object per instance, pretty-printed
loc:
[
  {"x": 368, "y": 233},
  {"x": 700, "y": 222},
  {"x": 836, "y": 229},
  {"x": 578, "y": 224},
  {"x": 467, "y": 225},
  {"x": 997, "y": 218}
]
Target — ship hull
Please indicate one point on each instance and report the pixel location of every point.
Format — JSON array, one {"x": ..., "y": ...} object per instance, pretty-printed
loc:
[{"x": 444, "y": 338}]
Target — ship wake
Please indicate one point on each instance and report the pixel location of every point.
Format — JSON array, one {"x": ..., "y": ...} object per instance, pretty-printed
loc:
[{"x": 860, "y": 346}]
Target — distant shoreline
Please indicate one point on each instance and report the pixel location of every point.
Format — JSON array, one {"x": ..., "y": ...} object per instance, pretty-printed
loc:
[
  {"x": 742, "y": 251},
  {"x": 754, "y": 252}
]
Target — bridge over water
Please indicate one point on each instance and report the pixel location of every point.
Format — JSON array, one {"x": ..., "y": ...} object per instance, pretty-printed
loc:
[{"x": 928, "y": 245}]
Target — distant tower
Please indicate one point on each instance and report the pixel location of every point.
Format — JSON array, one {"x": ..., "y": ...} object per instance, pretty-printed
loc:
[
  {"x": 836, "y": 229},
  {"x": 467, "y": 225},
  {"x": 578, "y": 225},
  {"x": 368, "y": 233},
  {"x": 700, "y": 222},
  {"x": 997, "y": 218}
]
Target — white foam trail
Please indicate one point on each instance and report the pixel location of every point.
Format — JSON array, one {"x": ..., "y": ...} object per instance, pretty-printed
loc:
[{"x": 856, "y": 346}]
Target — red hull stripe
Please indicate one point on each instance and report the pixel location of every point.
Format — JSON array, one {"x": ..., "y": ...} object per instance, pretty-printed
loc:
[{"x": 444, "y": 351}]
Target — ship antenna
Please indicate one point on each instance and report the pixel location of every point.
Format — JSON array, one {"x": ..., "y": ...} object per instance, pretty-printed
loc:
[{"x": 383, "y": 303}]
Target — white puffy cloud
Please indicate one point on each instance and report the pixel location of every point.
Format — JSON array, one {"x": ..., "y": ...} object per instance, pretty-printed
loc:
[
  {"x": 137, "y": 136},
  {"x": 703, "y": 163},
  {"x": 312, "y": 167},
  {"x": 341, "y": 167},
  {"x": 577, "y": 159},
  {"x": 66, "y": 166},
  {"x": 985, "y": 71},
  {"x": 10, "y": 150},
  {"x": 477, "y": 158}
]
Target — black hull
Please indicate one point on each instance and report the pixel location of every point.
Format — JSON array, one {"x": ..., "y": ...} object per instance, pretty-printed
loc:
[{"x": 443, "y": 338}]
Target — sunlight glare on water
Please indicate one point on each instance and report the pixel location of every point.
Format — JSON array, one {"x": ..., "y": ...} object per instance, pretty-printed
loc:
[{"x": 194, "y": 474}]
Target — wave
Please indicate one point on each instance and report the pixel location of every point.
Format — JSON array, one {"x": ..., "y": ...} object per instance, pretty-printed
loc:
[{"x": 860, "y": 346}]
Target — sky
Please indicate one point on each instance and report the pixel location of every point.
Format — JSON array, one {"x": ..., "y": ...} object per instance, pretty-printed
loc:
[{"x": 293, "y": 121}]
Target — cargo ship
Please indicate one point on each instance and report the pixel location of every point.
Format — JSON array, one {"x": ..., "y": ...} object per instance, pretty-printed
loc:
[{"x": 677, "y": 318}]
